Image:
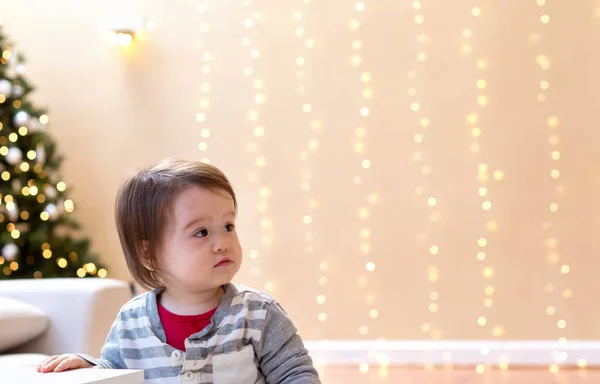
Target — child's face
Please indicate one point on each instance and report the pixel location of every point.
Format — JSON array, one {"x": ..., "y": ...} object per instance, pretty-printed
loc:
[{"x": 201, "y": 249}]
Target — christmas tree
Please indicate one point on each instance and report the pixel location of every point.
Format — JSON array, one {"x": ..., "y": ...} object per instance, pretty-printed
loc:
[{"x": 35, "y": 223}]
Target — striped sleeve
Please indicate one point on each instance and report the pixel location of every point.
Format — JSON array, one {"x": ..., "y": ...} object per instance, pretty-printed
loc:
[
  {"x": 281, "y": 353},
  {"x": 110, "y": 355}
]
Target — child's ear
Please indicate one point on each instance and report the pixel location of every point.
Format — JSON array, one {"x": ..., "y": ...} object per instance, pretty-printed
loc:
[{"x": 145, "y": 255}]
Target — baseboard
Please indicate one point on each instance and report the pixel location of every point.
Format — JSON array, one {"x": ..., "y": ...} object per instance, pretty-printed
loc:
[{"x": 420, "y": 352}]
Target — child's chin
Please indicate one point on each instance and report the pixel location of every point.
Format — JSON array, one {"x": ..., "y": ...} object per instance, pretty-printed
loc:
[{"x": 225, "y": 275}]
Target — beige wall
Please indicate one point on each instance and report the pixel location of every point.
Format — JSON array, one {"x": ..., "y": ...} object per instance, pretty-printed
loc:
[{"x": 114, "y": 110}]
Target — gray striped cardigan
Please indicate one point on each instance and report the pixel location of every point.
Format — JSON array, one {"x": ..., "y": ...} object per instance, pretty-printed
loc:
[{"x": 250, "y": 340}]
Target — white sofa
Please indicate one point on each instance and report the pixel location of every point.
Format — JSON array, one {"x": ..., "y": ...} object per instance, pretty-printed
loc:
[{"x": 64, "y": 315}]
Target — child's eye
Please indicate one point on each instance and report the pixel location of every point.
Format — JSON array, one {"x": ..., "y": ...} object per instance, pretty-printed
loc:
[
  {"x": 229, "y": 227},
  {"x": 201, "y": 233}
]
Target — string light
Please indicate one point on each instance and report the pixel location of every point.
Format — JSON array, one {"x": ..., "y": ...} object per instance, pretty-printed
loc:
[
  {"x": 365, "y": 279},
  {"x": 485, "y": 176},
  {"x": 306, "y": 44},
  {"x": 422, "y": 123},
  {"x": 205, "y": 86},
  {"x": 551, "y": 240},
  {"x": 257, "y": 132}
]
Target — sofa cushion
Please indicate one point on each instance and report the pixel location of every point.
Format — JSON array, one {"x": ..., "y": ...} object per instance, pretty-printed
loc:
[{"x": 20, "y": 322}]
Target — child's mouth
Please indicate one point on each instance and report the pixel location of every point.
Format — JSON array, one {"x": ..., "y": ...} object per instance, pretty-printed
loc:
[{"x": 224, "y": 263}]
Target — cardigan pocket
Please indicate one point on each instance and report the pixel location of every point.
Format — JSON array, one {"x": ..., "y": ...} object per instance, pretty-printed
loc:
[{"x": 235, "y": 367}]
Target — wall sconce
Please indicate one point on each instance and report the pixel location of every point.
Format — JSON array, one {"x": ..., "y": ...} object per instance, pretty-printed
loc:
[
  {"x": 124, "y": 32},
  {"x": 122, "y": 38}
]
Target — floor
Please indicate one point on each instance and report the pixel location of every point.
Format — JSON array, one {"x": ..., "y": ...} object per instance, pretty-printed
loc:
[{"x": 400, "y": 375}]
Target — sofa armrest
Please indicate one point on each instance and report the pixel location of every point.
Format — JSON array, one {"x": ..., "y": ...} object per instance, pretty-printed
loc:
[{"x": 80, "y": 311}]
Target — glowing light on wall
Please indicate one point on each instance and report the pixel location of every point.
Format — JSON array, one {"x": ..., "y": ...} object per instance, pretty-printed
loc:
[
  {"x": 561, "y": 267},
  {"x": 258, "y": 131},
  {"x": 362, "y": 173},
  {"x": 485, "y": 176},
  {"x": 314, "y": 128},
  {"x": 422, "y": 124},
  {"x": 207, "y": 58}
]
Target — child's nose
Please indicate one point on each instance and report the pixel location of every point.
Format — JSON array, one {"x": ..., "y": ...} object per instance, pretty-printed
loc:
[{"x": 221, "y": 246}]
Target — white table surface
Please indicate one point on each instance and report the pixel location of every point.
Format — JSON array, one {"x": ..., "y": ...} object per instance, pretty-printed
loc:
[{"x": 28, "y": 375}]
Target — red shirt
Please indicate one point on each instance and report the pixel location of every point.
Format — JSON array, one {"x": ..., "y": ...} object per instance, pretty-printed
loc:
[{"x": 180, "y": 327}]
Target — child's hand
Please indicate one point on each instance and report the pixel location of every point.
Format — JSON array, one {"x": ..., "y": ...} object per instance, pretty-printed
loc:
[{"x": 62, "y": 363}]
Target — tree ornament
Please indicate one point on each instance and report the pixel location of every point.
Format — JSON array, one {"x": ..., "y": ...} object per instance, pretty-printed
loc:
[
  {"x": 50, "y": 191},
  {"x": 40, "y": 154},
  {"x": 23, "y": 227},
  {"x": 21, "y": 118},
  {"x": 13, "y": 214},
  {"x": 52, "y": 211},
  {"x": 16, "y": 185},
  {"x": 5, "y": 87},
  {"x": 14, "y": 156},
  {"x": 17, "y": 91},
  {"x": 10, "y": 251}
]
